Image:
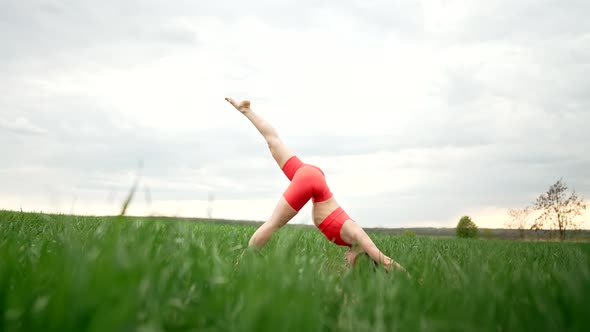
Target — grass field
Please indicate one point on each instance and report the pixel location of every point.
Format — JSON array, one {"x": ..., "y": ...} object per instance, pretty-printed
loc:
[{"x": 70, "y": 273}]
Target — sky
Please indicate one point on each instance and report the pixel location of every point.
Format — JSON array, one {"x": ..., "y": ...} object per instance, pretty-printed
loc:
[{"x": 418, "y": 112}]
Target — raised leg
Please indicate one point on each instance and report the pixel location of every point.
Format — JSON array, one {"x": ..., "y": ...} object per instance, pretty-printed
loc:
[
  {"x": 283, "y": 212},
  {"x": 280, "y": 152}
]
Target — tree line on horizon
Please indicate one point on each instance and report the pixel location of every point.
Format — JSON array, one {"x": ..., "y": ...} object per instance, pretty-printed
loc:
[{"x": 554, "y": 210}]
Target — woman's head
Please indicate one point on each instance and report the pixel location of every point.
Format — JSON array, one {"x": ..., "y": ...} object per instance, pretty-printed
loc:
[{"x": 350, "y": 257}]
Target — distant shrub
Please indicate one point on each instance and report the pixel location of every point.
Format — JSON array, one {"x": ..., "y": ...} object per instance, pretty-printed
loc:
[
  {"x": 488, "y": 233},
  {"x": 466, "y": 228},
  {"x": 409, "y": 233}
]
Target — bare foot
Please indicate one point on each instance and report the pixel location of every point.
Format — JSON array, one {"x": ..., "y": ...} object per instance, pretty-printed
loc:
[{"x": 242, "y": 106}]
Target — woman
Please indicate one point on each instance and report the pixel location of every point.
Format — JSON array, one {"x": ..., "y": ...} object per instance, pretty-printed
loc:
[{"x": 308, "y": 182}]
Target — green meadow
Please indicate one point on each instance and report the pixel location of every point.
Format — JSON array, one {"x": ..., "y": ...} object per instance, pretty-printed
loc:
[{"x": 73, "y": 273}]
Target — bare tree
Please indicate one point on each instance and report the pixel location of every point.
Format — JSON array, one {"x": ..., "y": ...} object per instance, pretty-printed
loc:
[
  {"x": 558, "y": 210},
  {"x": 519, "y": 219}
]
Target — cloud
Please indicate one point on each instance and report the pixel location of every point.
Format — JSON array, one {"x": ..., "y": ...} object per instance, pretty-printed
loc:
[
  {"x": 22, "y": 125},
  {"x": 418, "y": 112}
]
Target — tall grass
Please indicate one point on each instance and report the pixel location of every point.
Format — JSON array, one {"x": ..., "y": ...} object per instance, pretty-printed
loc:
[{"x": 71, "y": 273}]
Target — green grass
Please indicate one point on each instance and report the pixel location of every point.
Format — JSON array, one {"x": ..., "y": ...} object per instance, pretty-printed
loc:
[{"x": 71, "y": 273}]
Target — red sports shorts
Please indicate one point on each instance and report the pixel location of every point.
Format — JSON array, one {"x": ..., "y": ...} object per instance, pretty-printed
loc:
[{"x": 308, "y": 182}]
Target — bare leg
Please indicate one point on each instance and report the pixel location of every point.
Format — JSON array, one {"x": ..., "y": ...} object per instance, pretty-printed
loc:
[
  {"x": 280, "y": 152},
  {"x": 283, "y": 212},
  {"x": 280, "y": 216}
]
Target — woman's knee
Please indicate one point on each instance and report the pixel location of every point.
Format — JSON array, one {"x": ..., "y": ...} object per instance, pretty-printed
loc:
[
  {"x": 280, "y": 152},
  {"x": 273, "y": 142}
]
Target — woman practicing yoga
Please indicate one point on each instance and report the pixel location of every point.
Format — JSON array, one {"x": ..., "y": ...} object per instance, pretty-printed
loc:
[{"x": 308, "y": 182}]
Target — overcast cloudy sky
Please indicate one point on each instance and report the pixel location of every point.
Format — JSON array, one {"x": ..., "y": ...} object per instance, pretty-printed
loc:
[{"x": 417, "y": 111}]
